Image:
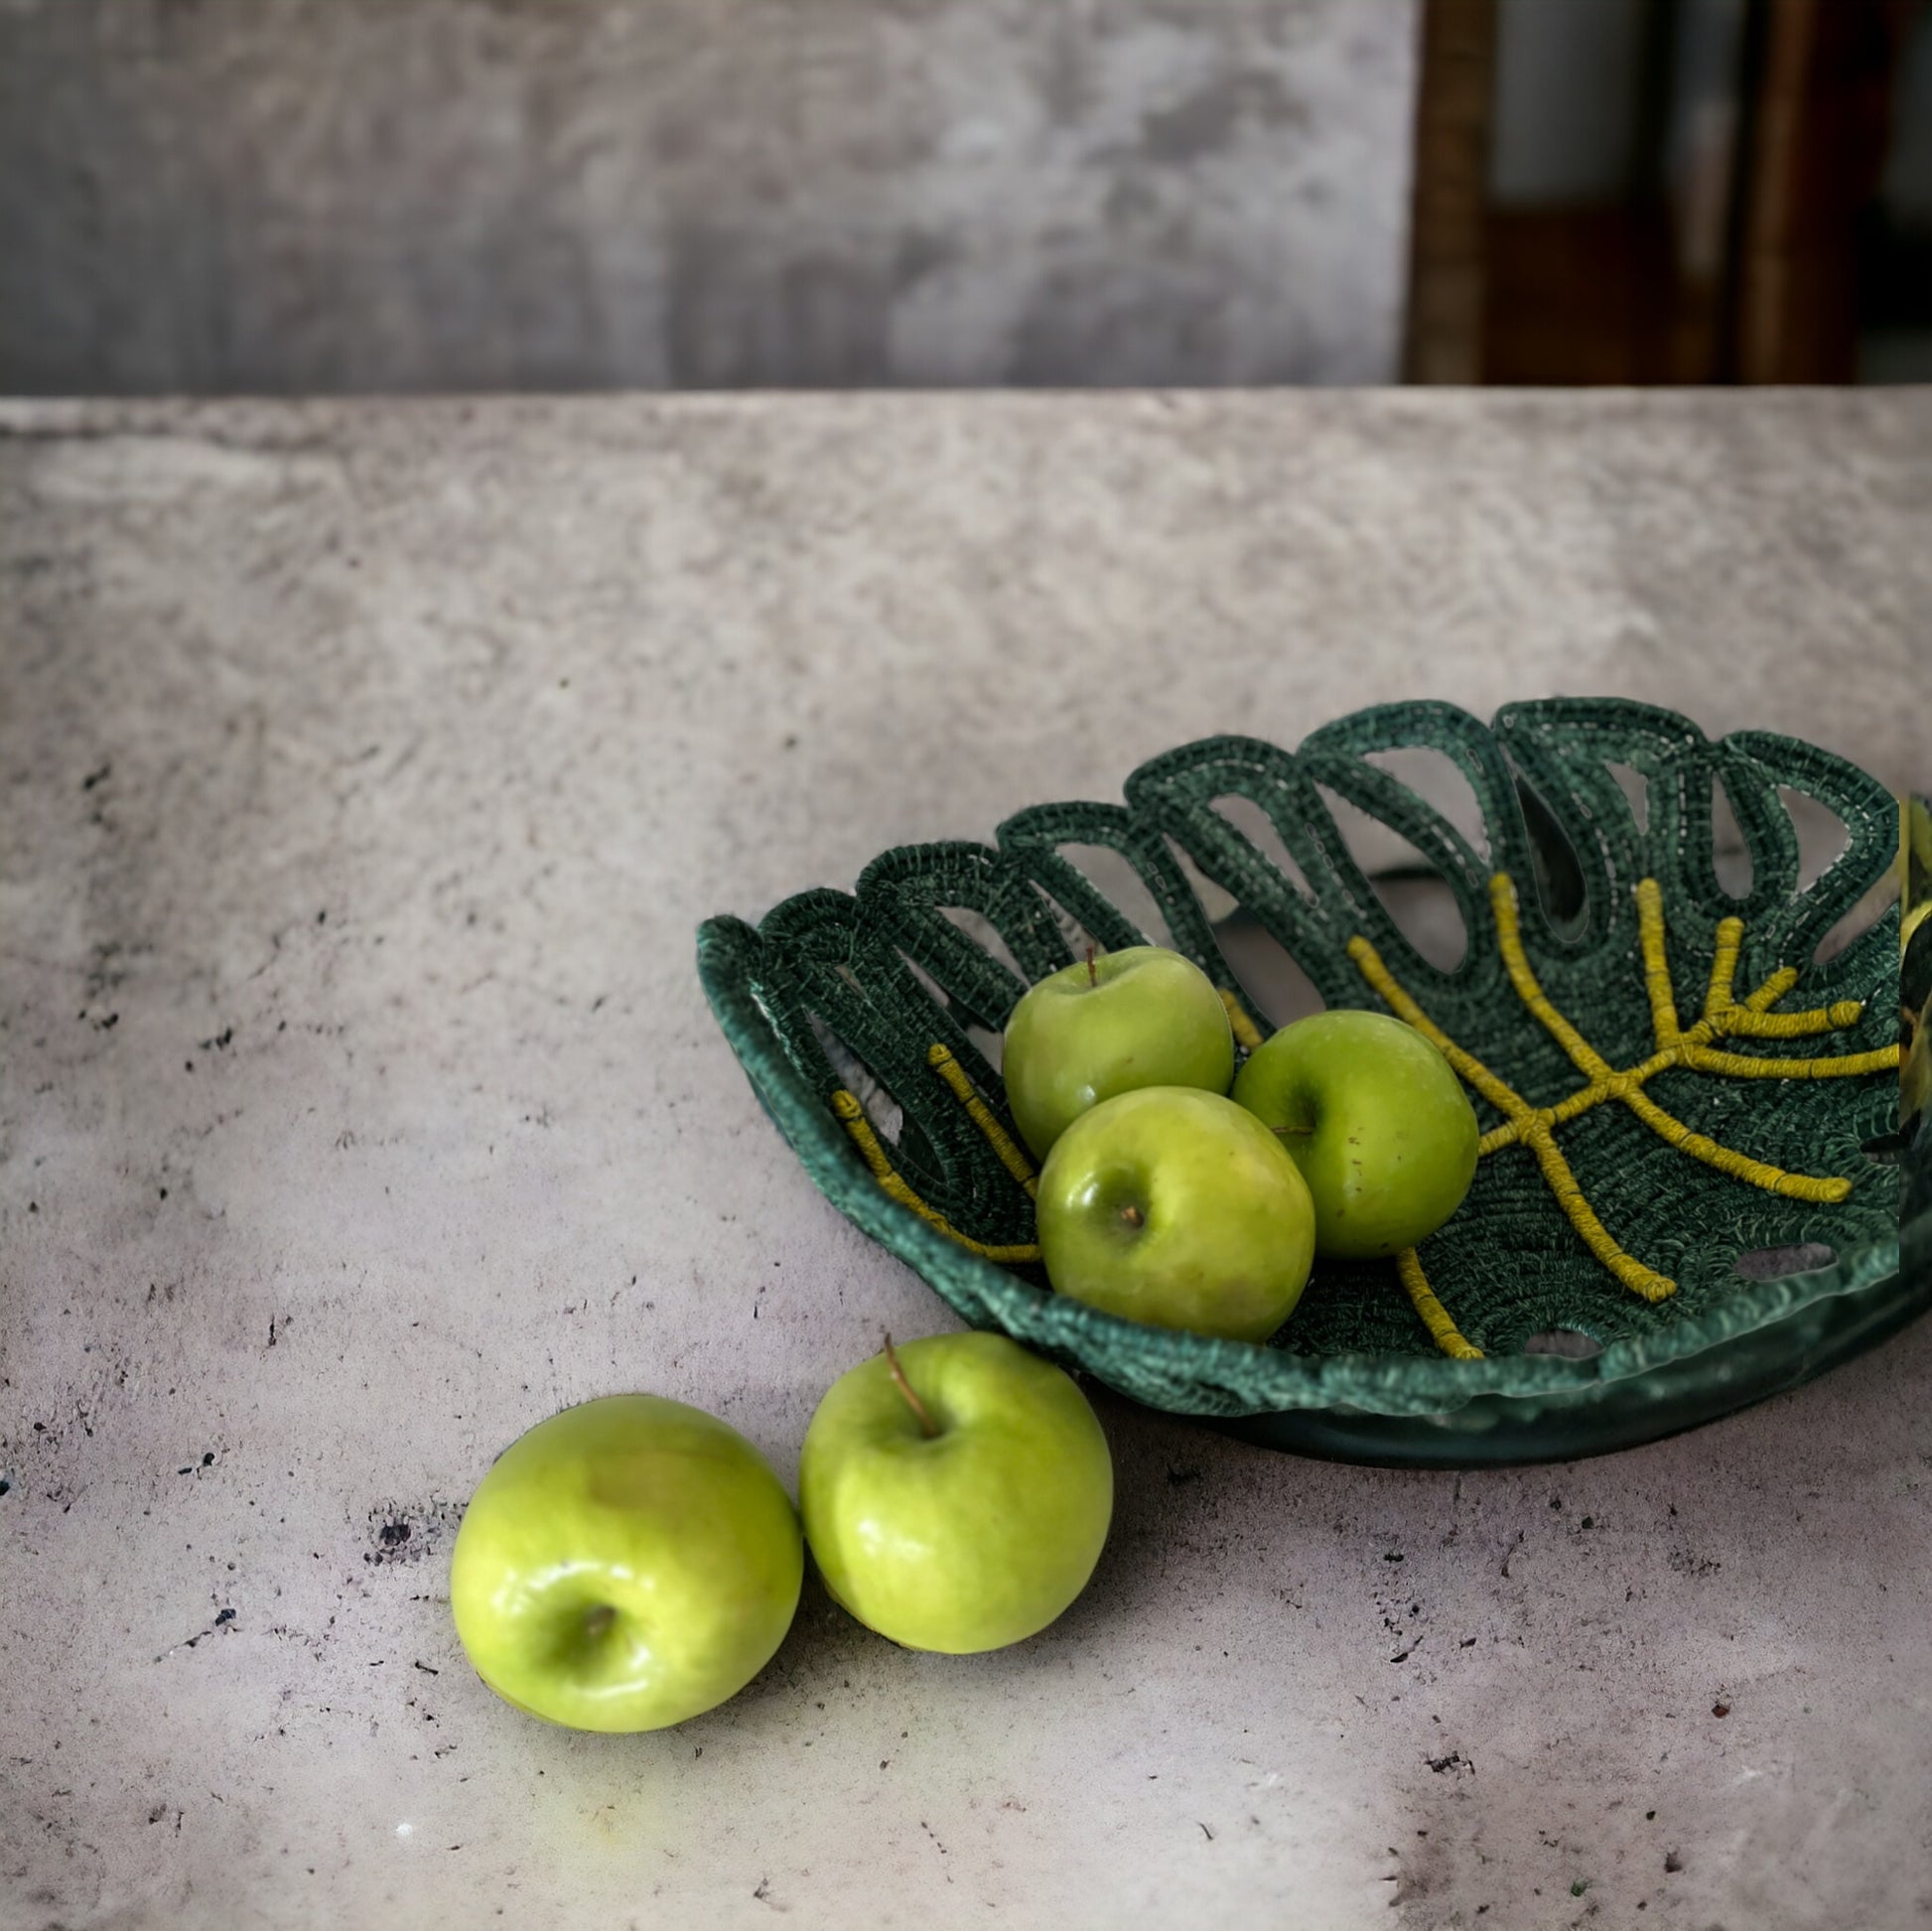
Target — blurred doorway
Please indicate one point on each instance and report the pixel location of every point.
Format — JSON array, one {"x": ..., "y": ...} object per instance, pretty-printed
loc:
[{"x": 1673, "y": 192}]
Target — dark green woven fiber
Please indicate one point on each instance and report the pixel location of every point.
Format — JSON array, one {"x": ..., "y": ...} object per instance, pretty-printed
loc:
[
  {"x": 1915, "y": 997},
  {"x": 834, "y": 990}
]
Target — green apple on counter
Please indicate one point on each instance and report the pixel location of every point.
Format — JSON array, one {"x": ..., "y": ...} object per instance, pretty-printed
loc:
[
  {"x": 956, "y": 1492},
  {"x": 1113, "y": 1023},
  {"x": 1375, "y": 1119},
  {"x": 625, "y": 1564},
  {"x": 1179, "y": 1208}
]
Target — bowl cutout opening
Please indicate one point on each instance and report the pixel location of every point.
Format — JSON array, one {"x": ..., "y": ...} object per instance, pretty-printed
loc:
[
  {"x": 1442, "y": 783},
  {"x": 1414, "y": 893},
  {"x": 1636, "y": 794},
  {"x": 1730, "y": 854},
  {"x": 1114, "y": 877},
  {"x": 1274, "y": 985},
  {"x": 1568, "y": 1343},
  {"x": 1823, "y": 836},
  {"x": 1251, "y": 821},
  {"x": 985, "y": 935},
  {"x": 991, "y": 1044},
  {"x": 887, "y": 1117},
  {"x": 1555, "y": 869},
  {"x": 1773, "y": 1263}
]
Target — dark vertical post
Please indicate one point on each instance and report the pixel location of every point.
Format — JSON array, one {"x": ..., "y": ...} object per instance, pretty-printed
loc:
[{"x": 1444, "y": 330}]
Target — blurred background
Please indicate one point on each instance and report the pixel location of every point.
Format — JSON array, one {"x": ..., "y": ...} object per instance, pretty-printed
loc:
[{"x": 343, "y": 196}]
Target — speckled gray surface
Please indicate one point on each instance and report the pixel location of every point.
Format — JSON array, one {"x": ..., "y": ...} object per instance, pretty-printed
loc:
[{"x": 366, "y": 770}]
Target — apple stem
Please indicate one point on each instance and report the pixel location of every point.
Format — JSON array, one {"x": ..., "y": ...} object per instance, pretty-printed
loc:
[
  {"x": 928, "y": 1424},
  {"x": 1131, "y": 1215},
  {"x": 1093, "y": 971},
  {"x": 599, "y": 1620}
]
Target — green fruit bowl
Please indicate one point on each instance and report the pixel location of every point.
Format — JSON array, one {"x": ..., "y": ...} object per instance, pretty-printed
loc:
[{"x": 1661, "y": 964}]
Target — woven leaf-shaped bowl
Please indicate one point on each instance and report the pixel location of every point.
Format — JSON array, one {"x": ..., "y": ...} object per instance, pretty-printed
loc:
[{"x": 1687, "y": 1073}]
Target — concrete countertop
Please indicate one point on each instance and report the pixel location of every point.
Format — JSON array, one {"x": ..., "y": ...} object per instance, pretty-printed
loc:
[{"x": 366, "y": 769}]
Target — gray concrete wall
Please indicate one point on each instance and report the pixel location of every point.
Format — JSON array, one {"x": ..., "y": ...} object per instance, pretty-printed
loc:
[{"x": 354, "y": 194}]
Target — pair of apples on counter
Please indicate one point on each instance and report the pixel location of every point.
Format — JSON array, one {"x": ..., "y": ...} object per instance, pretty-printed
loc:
[{"x": 633, "y": 1562}]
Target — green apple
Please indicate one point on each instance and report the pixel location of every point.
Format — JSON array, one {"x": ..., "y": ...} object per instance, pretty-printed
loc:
[
  {"x": 956, "y": 1493},
  {"x": 1115, "y": 1022},
  {"x": 1179, "y": 1208},
  {"x": 1376, "y": 1120},
  {"x": 625, "y": 1565}
]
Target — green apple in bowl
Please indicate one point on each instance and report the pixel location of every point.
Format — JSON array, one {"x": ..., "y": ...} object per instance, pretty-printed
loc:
[
  {"x": 1377, "y": 1122},
  {"x": 1179, "y": 1208},
  {"x": 1114, "y": 1021},
  {"x": 625, "y": 1564},
  {"x": 956, "y": 1492}
]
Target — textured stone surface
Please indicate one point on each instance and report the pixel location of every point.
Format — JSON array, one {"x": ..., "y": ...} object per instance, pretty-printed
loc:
[
  {"x": 366, "y": 770},
  {"x": 397, "y": 194}
]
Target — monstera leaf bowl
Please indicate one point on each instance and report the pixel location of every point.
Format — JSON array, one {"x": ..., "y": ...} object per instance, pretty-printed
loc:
[{"x": 1657, "y": 960}]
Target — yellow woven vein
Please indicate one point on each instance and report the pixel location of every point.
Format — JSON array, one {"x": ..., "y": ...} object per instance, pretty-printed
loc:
[
  {"x": 1723, "y": 1015},
  {"x": 1772, "y": 990},
  {"x": 1509, "y": 937},
  {"x": 1368, "y": 962},
  {"x": 1247, "y": 1035},
  {"x": 1748, "y": 1065},
  {"x": 1724, "y": 967},
  {"x": 1527, "y": 1126},
  {"x": 1563, "y": 1183},
  {"x": 1680, "y": 1049},
  {"x": 1656, "y": 962},
  {"x": 853, "y": 1117},
  {"x": 1744, "y": 1024},
  {"x": 1434, "y": 1316},
  {"x": 942, "y": 1059}
]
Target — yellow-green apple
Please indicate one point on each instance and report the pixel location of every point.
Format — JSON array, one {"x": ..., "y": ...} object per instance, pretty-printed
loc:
[
  {"x": 1376, "y": 1120},
  {"x": 956, "y": 1492},
  {"x": 625, "y": 1565},
  {"x": 1176, "y": 1207},
  {"x": 1114, "y": 1021}
]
